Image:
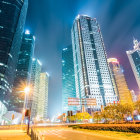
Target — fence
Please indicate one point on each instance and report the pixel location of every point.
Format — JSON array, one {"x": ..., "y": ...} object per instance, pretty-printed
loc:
[{"x": 35, "y": 135}]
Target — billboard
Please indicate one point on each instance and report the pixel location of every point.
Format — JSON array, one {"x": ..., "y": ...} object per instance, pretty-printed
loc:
[
  {"x": 73, "y": 101},
  {"x": 84, "y": 101}
]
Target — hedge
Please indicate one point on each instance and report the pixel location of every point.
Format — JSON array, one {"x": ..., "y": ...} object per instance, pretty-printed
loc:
[{"x": 133, "y": 128}]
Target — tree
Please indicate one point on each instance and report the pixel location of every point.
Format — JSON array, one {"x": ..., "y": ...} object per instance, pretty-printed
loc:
[
  {"x": 137, "y": 106},
  {"x": 97, "y": 116},
  {"x": 72, "y": 118},
  {"x": 83, "y": 116}
]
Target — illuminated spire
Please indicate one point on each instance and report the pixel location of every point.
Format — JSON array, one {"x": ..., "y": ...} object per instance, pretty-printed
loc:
[
  {"x": 27, "y": 32},
  {"x": 136, "y": 43}
]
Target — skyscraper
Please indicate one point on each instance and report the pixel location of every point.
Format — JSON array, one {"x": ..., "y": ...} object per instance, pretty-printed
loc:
[
  {"x": 35, "y": 81},
  {"x": 92, "y": 75},
  {"x": 124, "y": 94},
  {"x": 68, "y": 79},
  {"x": 134, "y": 96},
  {"x": 12, "y": 20},
  {"x": 42, "y": 105},
  {"x": 23, "y": 70},
  {"x": 134, "y": 59}
]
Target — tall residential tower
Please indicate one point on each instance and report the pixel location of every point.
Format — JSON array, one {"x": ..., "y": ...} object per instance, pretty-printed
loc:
[
  {"x": 92, "y": 74},
  {"x": 35, "y": 81},
  {"x": 42, "y": 106},
  {"x": 134, "y": 59}
]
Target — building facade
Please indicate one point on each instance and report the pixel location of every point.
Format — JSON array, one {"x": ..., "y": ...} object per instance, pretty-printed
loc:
[
  {"x": 35, "y": 81},
  {"x": 134, "y": 96},
  {"x": 134, "y": 59},
  {"x": 68, "y": 79},
  {"x": 23, "y": 70},
  {"x": 123, "y": 92},
  {"x": 92, "y": 74},
  {"x": 12, "y": 20},
  {"x": 42, "y": 106}
]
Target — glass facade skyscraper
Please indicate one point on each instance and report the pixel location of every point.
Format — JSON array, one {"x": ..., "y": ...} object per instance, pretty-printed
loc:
[
  {"x": 42, "y": 105},
  {"x": 23, "y": 70},
  {"x": 35, "y": 81},
  {"x": 68, "y": 79},
  {"x": 134, "y": 59},
  {"x": 117, "y": 71},
  {"x": 92, "y": 74},
  {"x": 12, "y": 20}
]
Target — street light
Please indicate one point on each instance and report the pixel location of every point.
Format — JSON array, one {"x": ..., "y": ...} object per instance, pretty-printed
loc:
[
  {"x": 27, "y": 91},
  {"x": 26, "y": 111}
]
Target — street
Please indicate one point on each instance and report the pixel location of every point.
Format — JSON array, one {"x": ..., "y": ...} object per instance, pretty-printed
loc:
[
  {"x": 13, "y": 135},
  {"x": 64, "y": 133}
]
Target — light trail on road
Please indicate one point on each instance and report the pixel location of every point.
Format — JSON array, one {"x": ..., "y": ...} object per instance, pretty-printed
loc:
[{"x": 64, "y": 133}]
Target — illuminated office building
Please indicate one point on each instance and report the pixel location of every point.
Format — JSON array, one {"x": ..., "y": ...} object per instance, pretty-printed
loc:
[
  {"x": 42, "y": 105},
  {"x": 124, "y": 94},
  {"x": 68, "y": 79},
  {"x": 12, "y": 20},
  {"x": 35, "y": 81},
  {"x": 134, "y": 59},
  {"x": 92, "y": 74},
  {"x": 23, "y": 70}
]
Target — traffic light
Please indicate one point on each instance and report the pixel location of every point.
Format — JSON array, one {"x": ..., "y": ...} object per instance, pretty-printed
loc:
[{"x": 27, "y": 113}]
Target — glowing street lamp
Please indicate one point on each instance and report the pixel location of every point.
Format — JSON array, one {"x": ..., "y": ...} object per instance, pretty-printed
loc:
[
  {"x": 26, "y": 112},
  {"x": 27, "y": 90}
]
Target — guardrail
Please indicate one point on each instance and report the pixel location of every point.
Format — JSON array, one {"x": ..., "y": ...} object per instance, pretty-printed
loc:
[{"x": 35, "y": 135}]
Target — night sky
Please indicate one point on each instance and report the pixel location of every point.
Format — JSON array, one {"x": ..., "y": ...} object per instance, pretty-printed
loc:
[{"x": 51, "y": 21}]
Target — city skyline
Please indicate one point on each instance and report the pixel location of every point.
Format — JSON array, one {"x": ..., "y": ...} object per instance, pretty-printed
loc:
[
  {"x": 51, "y": 38},
  {"x": 69, "y": 69}
]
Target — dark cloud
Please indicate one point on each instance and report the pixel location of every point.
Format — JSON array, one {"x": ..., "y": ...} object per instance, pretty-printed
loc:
[{"x": 51, "y": 21}]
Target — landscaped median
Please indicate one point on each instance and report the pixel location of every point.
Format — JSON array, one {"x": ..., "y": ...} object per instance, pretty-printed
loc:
[{"x": 133, "y": 128}]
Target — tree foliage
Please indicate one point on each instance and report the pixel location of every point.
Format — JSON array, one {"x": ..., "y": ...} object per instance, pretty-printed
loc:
[
  {"x": 80, "y": 117},
  {"x": 115, "y": 113}
]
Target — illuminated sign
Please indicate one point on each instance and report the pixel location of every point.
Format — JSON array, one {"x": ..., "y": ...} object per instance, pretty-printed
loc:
[
  {"x": 86, "y": 101},
  {"x": 113, "y": 60}
]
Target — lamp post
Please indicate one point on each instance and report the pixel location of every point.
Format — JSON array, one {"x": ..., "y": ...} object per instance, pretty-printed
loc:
[
  {"x": 26, "y": 111},
  {"x": 26, "y": 91}
]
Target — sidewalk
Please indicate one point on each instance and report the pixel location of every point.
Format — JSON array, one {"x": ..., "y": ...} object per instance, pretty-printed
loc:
[{"x": 13, "y": 135}]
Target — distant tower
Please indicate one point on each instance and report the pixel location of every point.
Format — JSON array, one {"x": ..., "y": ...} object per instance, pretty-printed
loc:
[
  {"x": 68, "y": 79},
  {"x": 134, "y": 59},
  {"x": 121, "y": 85},
  {"x": 42, "y": 106},
  {"x": 23, "y": 70},
  {"x": 134, "y": 96},
  {"x": 92, "y": 74},
  {"x": 35, "y": 81},
  {"x": 12, "y": 21}
]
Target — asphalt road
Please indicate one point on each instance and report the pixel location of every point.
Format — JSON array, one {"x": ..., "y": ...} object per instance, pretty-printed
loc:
[
  {"x": 57, "y": 133},
  {"x": 13, "y": 135}
]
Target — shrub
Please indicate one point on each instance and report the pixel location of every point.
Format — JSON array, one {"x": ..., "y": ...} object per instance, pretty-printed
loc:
[{"x": 133, "y": 128}]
